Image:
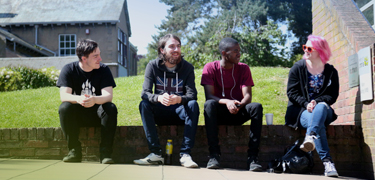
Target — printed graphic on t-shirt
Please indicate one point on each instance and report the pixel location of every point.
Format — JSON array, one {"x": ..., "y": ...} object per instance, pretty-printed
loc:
[
  {"x": 88, "y": 89},
  {"x": 169, "y": 86}
]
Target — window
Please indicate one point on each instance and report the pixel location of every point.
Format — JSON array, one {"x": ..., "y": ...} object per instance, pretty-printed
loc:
[
  {"x": 367, "y": 9},
  {"x": 122, "y": 48},
  {"x": 67, "y": 44}
]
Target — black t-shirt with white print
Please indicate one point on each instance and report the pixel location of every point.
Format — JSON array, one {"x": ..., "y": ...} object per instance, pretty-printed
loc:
[{"x": 82, "y": 82}]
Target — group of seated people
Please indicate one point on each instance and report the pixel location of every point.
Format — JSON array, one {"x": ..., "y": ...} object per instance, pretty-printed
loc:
[{"x": 169, "y": 97}]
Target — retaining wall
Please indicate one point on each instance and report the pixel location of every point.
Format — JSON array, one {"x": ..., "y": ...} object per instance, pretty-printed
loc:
[{"x": 351, "y": 155}]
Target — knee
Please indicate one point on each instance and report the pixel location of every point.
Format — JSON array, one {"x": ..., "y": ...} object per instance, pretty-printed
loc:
[
  {"x": 209, "y": 104},
  {"x": 193, "y": 104},
  {"x": 144, "y": 104},
  {"x": 66, "y": 107},
  {"x": 110, "y": 109},
  {"x": 256, "y": 106},
  {"x": 321, "y": 107}
]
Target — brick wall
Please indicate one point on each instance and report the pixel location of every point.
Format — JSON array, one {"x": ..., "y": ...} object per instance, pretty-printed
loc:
[
  {"x": 346, "y": 144},
  {"x": 346, "y": 30}
]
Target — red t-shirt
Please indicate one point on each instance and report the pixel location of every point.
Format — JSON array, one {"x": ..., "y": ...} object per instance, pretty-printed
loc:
[{"x": 241, "y": 78}]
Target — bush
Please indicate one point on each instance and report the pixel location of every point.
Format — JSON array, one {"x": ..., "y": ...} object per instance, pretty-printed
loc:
[{"x": 17, "y": 78}]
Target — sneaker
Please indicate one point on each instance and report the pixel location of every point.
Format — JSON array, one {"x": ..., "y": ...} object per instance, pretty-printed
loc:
[
  {"x": 253, "y": 165},
  {"x": 73, "y": 156},
  {"x": 107, "y": 161},
  {"x": 213, "y": 163},
  {"x": 150, "y": 159},
  {"x": 308, "y": 144},
  {"x": 186, "y": 161},
  {"x": 330, "y": 170}
]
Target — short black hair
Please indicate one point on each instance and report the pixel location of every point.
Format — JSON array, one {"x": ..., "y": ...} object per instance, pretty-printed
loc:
[
  {"x": 85, "y": 47},
  {"x": 227, "y": 43},
  {"x": 163, "y": 40}
]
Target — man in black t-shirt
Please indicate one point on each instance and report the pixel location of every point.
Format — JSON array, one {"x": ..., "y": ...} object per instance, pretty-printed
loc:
[{"x": 86, "y": 91}]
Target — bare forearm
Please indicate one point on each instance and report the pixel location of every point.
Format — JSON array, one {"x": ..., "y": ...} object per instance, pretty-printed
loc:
[
  {"x": 65, "y": 97},
  {"x": 103, "y": 99}
]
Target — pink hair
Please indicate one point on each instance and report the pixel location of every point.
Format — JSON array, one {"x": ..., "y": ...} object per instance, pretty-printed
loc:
[{"x": 321, "y": 46}]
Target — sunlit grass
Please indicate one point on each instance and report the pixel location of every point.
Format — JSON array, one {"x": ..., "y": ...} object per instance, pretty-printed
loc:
[{"x": 39, "y": 107}]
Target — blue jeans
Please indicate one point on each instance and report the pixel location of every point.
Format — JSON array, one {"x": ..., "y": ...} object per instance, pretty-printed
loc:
[
  {"x": 177, "y": 114},
  {"x": 315, "y": 122}
]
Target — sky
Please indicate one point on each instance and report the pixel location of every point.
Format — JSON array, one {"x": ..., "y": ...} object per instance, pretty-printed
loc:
[{"x": 144, "y": 15}]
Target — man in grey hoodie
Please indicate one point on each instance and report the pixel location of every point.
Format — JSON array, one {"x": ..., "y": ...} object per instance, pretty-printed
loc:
[{"x": 172, "y": 102}]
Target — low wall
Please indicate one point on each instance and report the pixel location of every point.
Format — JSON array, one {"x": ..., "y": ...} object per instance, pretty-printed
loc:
[
  {"x": 351, "y": 155},
  {"x": 38, "y": 62}
]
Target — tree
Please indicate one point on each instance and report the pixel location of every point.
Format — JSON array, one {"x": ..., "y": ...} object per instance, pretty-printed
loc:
[{"x": 201, "y": 24}]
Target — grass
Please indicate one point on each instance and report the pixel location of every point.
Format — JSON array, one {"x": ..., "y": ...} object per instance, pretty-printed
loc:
[{"x": 39, "y": 107}]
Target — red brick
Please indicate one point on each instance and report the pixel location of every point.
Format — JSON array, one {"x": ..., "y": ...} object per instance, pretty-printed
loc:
[
  {"x": 83, "y": 132},
  {"x": 6, "y": 134},
  {"x": 90, "y": 143},
  {"x": 142, "y": 150},
  {"x": 58, "y": 134},
  {"x": 40, "y": 134},
  {"x": 123, "y": 131},
  {"x": 36, "y": 143},
  {"x": 23, "y": 133},
  {"x": 60, "y": 144},
  {"x": 10, "y": 144},
  {"x": 48, "y": 133},
  {"x": 32, "y": 133},
  {"x": 26, "y": 152},
  {"x": 91, "y": 133},
  {"x": 231, "y": 131},
  {"x": 4, "y": 152},
  {"x": 14, "y": 134},
  {"x": 222, "y": 131},
  {"x": 47, "y": 152},
  {"x": 241, "y": 149},
  {"x": 173, "y": 130}
]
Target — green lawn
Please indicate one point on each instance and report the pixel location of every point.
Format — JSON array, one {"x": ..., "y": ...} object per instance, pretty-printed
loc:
[{"x": 38, "y": 107}]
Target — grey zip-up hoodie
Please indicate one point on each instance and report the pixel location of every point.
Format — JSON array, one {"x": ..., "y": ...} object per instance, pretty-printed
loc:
[{"x": 180, "y": 82}]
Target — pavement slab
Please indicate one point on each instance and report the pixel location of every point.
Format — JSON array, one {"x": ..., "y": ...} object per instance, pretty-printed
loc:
[{"x": 32, "y": 169}]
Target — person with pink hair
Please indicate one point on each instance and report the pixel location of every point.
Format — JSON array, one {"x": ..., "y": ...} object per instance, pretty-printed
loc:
[{"x": 313, "y": 86}]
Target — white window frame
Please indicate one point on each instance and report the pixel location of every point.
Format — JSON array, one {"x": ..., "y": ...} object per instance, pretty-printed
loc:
[
  {"x": 372, "y": 2},
  {"x": 70, "y": 42}
]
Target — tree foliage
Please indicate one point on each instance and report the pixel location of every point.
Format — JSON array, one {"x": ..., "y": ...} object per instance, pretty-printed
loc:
[{"x": 201, "y": 24}]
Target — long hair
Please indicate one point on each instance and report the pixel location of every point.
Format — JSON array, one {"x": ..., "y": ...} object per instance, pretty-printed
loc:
[
  {"x": 85, "y": 47},
  {"x": 321, "y": 46},
  {"x": 162, "y": 41}
]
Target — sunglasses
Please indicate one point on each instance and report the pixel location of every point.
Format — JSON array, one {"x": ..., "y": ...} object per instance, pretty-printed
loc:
[{"x": 309, "y": 49}]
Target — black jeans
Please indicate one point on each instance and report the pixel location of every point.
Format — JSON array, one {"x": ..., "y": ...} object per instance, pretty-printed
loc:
[
  {"x": 218, "y": 114},
  {"x": 74, "y": 116}
]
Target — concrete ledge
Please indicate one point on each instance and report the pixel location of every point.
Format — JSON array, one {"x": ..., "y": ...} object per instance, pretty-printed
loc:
[{"x": 351, "y": 155}]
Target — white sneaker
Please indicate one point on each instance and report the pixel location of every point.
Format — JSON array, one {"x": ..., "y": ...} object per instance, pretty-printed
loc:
[
  {"x": 308, "y": 144},
  {"x": 186, "y": 161},
  {"x": 330, "y": 170},
  {"x": 150, "y": 159}
]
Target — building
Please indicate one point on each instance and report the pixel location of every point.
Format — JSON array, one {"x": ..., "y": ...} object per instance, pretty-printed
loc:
[
  {"x": 40, "y": 28},
  {"x": 348, "y": 27}
]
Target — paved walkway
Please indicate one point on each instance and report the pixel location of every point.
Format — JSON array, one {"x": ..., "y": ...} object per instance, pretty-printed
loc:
[{"x": 30, "y": 169}]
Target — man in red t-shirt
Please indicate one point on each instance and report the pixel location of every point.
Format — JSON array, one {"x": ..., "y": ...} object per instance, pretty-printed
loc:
[{"x": 227, "y": 86}]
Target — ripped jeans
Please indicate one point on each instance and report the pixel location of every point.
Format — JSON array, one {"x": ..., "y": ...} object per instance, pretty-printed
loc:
[{"x": 315, "y": 122}]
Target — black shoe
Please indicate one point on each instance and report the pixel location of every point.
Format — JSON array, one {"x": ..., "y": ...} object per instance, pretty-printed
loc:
[
  {"x": 73, "y": 156},
  {"x": 213, "y": 163},
  {"x": 253, "y": 165}
]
